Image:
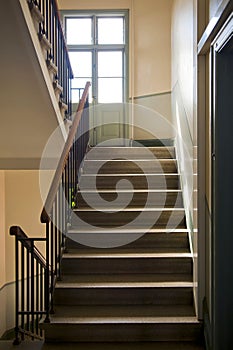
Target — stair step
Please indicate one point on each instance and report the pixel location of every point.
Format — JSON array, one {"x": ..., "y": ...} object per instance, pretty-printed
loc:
[
  {"x": 147, "y": 241},
  {"x": 155, "y": 217},
  {"x": 96, "y": 312},
  {"x": 45, "y": 44},
  {"x": 119, "y": 166},
  {"x": 51, "y": 66},
  {"x": 90, "y": 278},
  {"x": 136, "y": 198},
  {"x": 155, "y": 345},
  {"x": 138, "y": 181},
  {"x": 126, "y": 263},
  {"x": 119, "y": 293},
  {"x": 124, "y": 329},
  {"x": 131, "y": 152},
  {"x": 127, "y": 250}
]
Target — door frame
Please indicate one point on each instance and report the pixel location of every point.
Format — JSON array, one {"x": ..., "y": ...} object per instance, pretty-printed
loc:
[{"x": 222, "y": 190}]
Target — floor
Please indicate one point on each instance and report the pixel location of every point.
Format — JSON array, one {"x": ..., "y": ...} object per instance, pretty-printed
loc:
[{"x": 38, "y": 345}]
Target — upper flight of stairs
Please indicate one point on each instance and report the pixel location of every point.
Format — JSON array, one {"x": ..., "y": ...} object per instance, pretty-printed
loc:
[
  {"x": 136, "y": 292},
  {"x": 38, "y": 19}
]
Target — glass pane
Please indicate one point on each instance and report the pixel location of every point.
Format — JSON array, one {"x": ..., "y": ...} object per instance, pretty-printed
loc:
[
  {"x": 77, "y": 87},
  {"x": 78, "y": 31},
  {"x": 77, "y": 83},
  {"x": 81, "y": 63},
  {"x": 110, "y": 31},
  {"x": 110, "y": 90},
  {"x": 110, "y": 64}
]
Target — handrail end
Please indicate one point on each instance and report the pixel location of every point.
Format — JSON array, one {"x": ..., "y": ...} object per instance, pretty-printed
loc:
[
  {"x": 44, "y": 218},
  {"x": 14, "y": 230}
]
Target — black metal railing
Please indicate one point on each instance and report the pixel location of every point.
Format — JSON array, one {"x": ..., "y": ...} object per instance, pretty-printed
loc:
[
  {"x": 35, "y": 287},
  {"x": 52, "y": 29},
  {"x": 31, "y": 271}
]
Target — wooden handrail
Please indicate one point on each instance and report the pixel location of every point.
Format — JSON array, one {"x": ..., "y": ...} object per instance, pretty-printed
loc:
[{"x": 45, "y": 215}]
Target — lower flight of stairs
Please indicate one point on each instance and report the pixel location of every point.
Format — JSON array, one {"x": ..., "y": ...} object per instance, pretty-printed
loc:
[{"x": 136, "y": 292}]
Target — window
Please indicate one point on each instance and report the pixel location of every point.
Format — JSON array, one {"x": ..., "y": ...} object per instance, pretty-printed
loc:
[{"x": 98, "y": 49}]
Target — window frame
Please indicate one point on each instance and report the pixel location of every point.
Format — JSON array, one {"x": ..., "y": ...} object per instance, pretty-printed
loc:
[{"x": 95, "y": 15}]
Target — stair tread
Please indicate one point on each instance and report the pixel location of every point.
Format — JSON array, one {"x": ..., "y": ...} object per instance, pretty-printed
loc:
[
  {"x": 130, "y": 191},
  {"x": 131, "y": 209},
  {"x": 123, "y": 254},
  {"x": 125, "y": 320},
  {"x": 162, "y": 250},
  {"x": 104, "y": 284},
  {"x": 118, "y": 161},
  {"x": 167, "y": 231},
  {"x": 149, "y": 345},
  {"x": 112, "y": 278},
  {"x": 131, "y": 174},
  {"x": 124, "y": 311}
]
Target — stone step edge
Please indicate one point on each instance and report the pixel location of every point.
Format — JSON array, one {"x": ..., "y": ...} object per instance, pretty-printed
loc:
[
  {"x": 133, "y": 231},
  {"x": 125, "y": 320},
  {"x": 123, "y": 285}
]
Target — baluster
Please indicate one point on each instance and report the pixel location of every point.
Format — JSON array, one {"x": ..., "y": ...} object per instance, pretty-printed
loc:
[
  {"x": 52, "y": 259},
  {"x": 47, "y": 284},
  {"x": 17, "y": 339},
  {"x": 37, "y": 297},
  {"x": 22, "y": 287},
  {"x": 32, "y": 289},
  {"x": 27, "y": 289}
]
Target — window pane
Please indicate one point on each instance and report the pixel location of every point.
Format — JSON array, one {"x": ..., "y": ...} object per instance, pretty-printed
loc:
[
  {"x": 76, "y": 85},
  {"x": 110, "y": 90},
  {"x": 81, "y": 63},
  {"x": 110, "y": 31},
  {"x": 78, "y": 31},
  {"x": 110, "y": 64},
  {"x": 80, "y": 82}
]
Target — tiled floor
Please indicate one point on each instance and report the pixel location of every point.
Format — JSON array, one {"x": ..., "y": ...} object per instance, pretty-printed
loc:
[{"x": 37, "y": 345}]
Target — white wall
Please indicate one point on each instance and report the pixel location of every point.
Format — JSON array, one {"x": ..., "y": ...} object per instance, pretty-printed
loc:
[{"x": 184, "y": 102}]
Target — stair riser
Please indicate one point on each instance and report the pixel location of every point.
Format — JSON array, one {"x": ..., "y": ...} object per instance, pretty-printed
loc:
[
  {"x": 126, "y": 265},
  {"x": 123, "y": 296},
  {"x": 130, "y": 167},
  {"x": 159, "y": 219},
  {"x": 122, "y": 332},
  {"x": 139, "y": 199},
  {"x": 149, "y": 240},
  {"x": 138, "y": 182},
  {"x": 131, "y": 153}
]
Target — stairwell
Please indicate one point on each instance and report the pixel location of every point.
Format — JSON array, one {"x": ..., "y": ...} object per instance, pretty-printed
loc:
[{"x": 127, "y": 268}]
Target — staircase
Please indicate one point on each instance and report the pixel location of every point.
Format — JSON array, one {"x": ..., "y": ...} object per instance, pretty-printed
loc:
[{"x": 132, "y": 280}]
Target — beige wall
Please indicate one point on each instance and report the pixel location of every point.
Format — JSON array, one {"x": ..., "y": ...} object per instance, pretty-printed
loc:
[
  {"x": 152, "y": 50},
  {"x": 2, "y": 229},
  {"x": 150, "y": 43},
  {"x": 23, "y": 208},
  {"x": 20, "y": 204}
]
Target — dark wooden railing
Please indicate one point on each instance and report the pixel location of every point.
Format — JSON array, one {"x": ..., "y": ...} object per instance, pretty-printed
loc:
[
  {"x": 36, "y": 275},
  {"x": 52, "y": 29}
]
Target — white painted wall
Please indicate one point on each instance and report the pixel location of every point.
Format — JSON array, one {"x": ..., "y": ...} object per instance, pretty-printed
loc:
[{"x": 184, "y": 102}]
